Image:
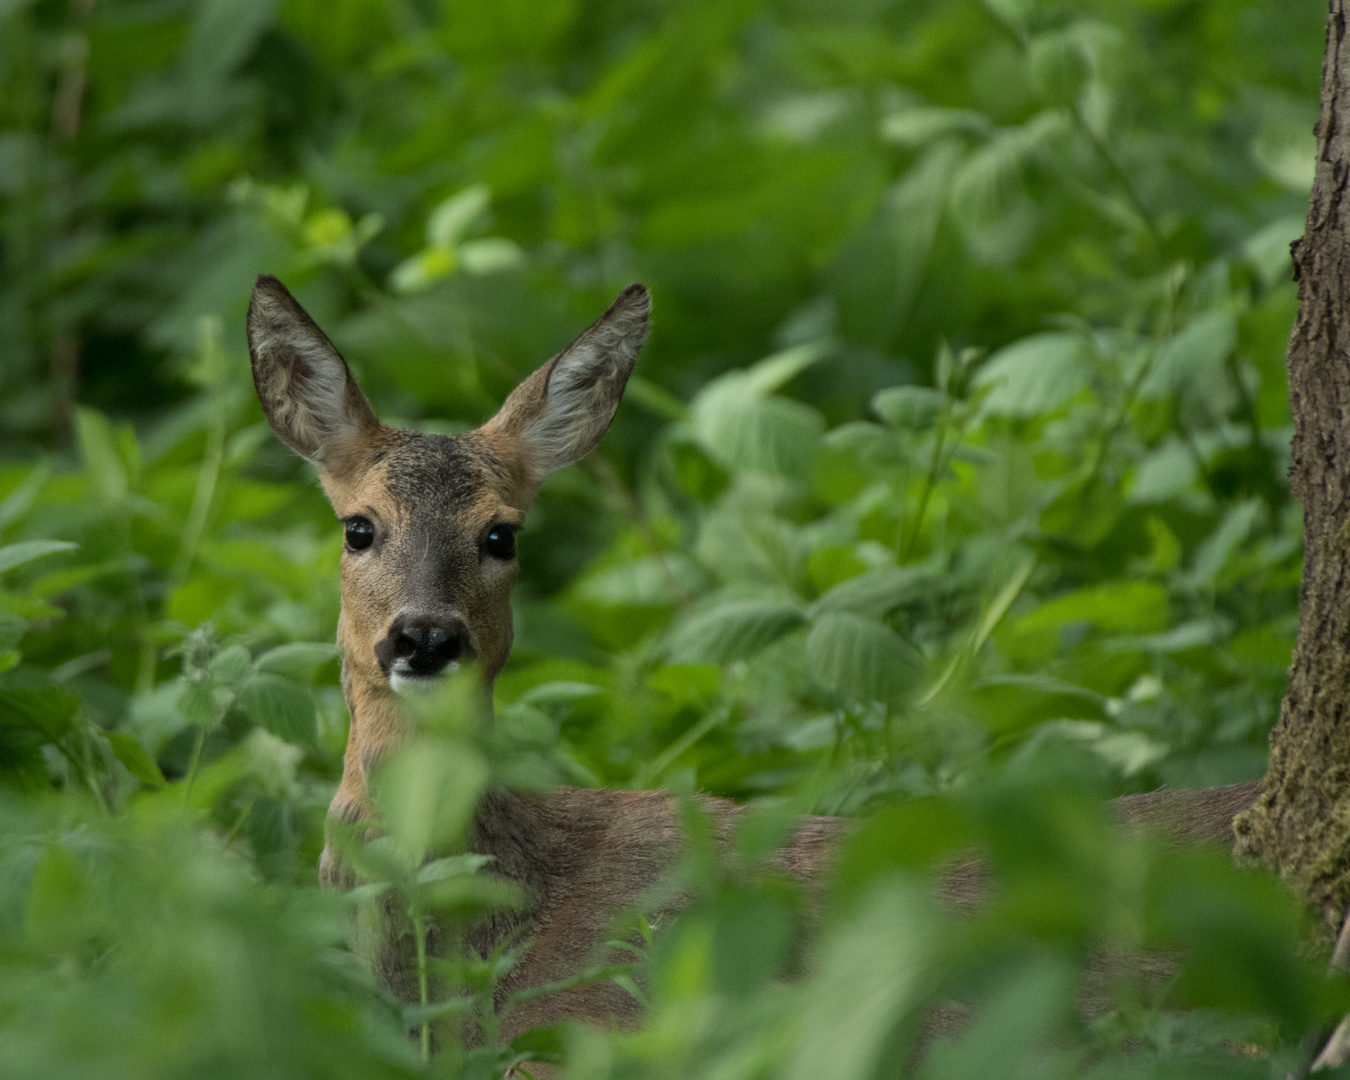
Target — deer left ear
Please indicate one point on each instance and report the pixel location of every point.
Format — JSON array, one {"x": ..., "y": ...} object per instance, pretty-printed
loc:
[
  {"x": 305, "y": 387},
  {"x": 560, "y": 413}
]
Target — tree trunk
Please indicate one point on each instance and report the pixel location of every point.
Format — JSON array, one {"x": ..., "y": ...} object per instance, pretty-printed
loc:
[{"x": 1301, "y": 822}]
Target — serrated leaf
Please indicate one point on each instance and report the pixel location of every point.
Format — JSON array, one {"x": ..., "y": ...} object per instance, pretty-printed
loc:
[
  {"x": 1034, "y": 375},
  {"x": 733, "y": 631},
  {"x": 298, "y": 659},
  {"x": 137, "y": 760},
  {"x": 773, "y": 435},
  {"x": 861, "y": 658},
  {"x": 281, "y": 705},
  {"x": 983, "y": 186},
  {"x": 878, "y": 591},
  {"x": 12, "y": 555}
]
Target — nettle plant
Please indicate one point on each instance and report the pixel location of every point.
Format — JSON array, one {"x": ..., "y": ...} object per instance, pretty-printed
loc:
[{"x": 1082, "y": 537}]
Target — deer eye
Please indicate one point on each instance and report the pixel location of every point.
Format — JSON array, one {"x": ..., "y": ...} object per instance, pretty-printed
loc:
[
  {"x": 360, "y": 533},
  {"x": 501, "y": 542}
]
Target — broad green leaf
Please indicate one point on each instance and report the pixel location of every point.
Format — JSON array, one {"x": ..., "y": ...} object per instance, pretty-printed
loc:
[
  {"x": 427, "y": 792},
  {"x": 861, "y": 658},
  {"x": 298, "y": 659},
  {"x": 879, "y": 591},
  {"x": 48, "y": 710},
  {"x": 644, "y": 582},
  {"x": 230, "y": 665},
  {"x": 13, "y": 555},
  {"x": 18, "y": 501},
  {"x": 919, "y": 125},
  {"x": 1124, "y": 605},
  {"x": 1219, "y": 546},
  {"x": 452, "y": 866},
  {"x": 456, "y": 215},
  {"x": 133, "y": 755},
  {"x": 986, "y": 182},
  {"x": 491, "y": 255},
  {"x": 733, "y": 631},
  {"x": 1196, "y": 351},
  {"x": 912, "y": 407},
  {"x": 281, "y": 705},
  {"x": 773, "y": 435},
  {"x": 1034, "y": 376},
  {"x": 98, "y": 448},
  {"x": 770, "y": 374}
]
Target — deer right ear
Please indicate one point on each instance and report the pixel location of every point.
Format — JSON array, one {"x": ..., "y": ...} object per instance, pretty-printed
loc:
[
  {"x": 560, "y": 413},
  {"x": 305, "y": 387}
]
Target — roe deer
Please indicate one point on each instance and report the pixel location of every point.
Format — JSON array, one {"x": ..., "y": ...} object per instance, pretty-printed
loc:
[{"x": 427, "y": 570}]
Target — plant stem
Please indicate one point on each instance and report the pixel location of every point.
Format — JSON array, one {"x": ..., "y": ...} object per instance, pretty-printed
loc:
[
  {"x": 420, "y": 932},
  {"x": 195, "y": 762},
  {"x": 929, "y": 483}
]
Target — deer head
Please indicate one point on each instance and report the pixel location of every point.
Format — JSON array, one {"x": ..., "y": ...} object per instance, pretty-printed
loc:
[{"x": 429, "y": 556}]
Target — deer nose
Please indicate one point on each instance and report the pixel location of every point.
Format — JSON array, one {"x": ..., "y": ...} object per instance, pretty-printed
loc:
[{"x": 423, "y": 646}]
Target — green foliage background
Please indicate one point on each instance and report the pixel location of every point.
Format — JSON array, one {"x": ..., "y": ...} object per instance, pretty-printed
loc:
[{"x": 950, "y": 494}]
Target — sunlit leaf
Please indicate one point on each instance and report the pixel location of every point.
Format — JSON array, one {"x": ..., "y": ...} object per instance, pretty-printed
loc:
[
  {"x": 13, "y": 555},
  {"x": 1033, "y": 376}
]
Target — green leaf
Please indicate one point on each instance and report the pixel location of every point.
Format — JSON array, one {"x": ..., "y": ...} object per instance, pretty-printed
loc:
[
  {"x": 17, "y": 502},
  {"x": 1034, "y": 375},
  {"x": 773, "y": 372},
  {"x": 984, "y": 185},
  {"x": 773, "y": 435},
  {"x": 456, "y": 215},
  {"x": 102, "y": 461},
  {"x": 918, "y": 126},
  {"x": 1118, "y": 605},
  {"x": 427, "y": 792},
  {"x": 452, "y": 866},
  {"x": 879, "y": 591},
  {"x": 13, "y": 555},
  {"x": 914, "y": 407},
  {"x": 48, "y": 710},
  {"x": 1198, "y": 350},
  {"x": 644, "y": 582},
  {"x": 133, "y": 755},
  {"x": 298, "y": 659},
  {"x": 281, "y": 705},
  {"x": 861, "y": 658},
  {"x": 733, "y": 631}
]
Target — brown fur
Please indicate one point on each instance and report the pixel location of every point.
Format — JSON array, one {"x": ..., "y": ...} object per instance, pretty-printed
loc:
[{"x": 580, "y": 857}]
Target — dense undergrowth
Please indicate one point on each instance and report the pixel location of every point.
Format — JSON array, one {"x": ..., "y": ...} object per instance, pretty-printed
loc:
[{"x": 950, "y": 495}]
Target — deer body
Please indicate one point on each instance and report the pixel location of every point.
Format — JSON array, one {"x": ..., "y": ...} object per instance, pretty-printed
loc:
[{"x": 427, "y": 571}]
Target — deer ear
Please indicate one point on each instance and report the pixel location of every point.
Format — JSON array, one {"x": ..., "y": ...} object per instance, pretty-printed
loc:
[
  {"x": 305, "y": 387},
  {"x": 559, "y": 413}
]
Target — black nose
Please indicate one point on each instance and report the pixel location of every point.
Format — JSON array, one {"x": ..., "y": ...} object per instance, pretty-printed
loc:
[{"x": 424, "y": 645}]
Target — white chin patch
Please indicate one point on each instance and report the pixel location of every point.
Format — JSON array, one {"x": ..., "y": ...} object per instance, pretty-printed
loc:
[{"x": 402, "y": 681}]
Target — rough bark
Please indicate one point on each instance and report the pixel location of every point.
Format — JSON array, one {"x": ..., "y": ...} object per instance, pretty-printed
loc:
[{"x": 1301, "y": 822}]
